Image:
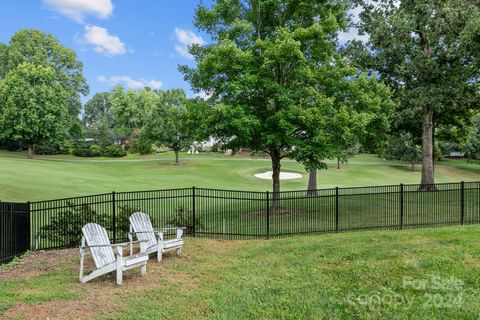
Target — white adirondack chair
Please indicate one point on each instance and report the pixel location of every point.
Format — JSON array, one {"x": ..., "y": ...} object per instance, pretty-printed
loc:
[
  {"x": 95, "y": 238},
  {"x": 153, "y": 239}
]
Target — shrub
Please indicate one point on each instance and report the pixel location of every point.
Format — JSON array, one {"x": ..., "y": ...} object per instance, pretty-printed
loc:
[
  {"x": 184, "y": 218},
  {"x": 114, "y": 151},
  {"x": 95, "y": 150},
  {"x": 46, "y": 149},
  {"x": 65, "y": 228},
  {"x": 122, "y": 219},
  {"x": 82, "y": 152},
  {"x": 142, "y": 145},
  {"x": 98, "y": 151}
]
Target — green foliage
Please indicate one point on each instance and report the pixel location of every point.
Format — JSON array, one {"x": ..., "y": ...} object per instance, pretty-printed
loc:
[
  {"x": 65, "y": 228},
  {"x": 114, "y": 151},
  {"x": 123, "y": 214},
  {"x": 276, "y": 83},
  {"x": 42, "y": 49},
  {"x": 95, "y": 150},
  {"x": 427, "y": 52},
  {"x": 166, "y": 124},
  {"x": 131, "y": 108},
  {"x": 33, "y": 106},
  {"x": 141, "y": 144},
  {"x": 403, "y": 148},
  {"x": 184, "y": 219},
  {"x": 472, "y": 147},
  {"x": 97, "y": 111}
]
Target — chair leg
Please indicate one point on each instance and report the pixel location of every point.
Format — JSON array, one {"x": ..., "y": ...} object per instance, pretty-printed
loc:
[
  {"x": 179, "y": 250},
  {"x": 144, "y": 269},
  {"x": 119, "y": 270},
  {"x": 119, "y": 276},
  {"x": 159, "y": 255}
]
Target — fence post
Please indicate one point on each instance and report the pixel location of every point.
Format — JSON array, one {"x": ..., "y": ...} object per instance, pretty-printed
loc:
[
  {"x": 336, "y": 209},
  {"x": 462, "y": 202},
  {"x": 268, "y": 215},
  {"x": 193, "y": 212},
  {"x": 114, "y": 219},
  {"x": 29, "y": 230},
  {"x": 401, "y": 206}
]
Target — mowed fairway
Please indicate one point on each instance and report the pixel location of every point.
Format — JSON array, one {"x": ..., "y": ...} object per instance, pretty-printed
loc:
[{"x": 65, "y": 176}]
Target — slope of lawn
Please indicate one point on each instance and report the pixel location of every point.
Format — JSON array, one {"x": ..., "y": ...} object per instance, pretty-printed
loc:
[
  {"x": 47, "y": 177},
  {"x": 414, "y": 274}
]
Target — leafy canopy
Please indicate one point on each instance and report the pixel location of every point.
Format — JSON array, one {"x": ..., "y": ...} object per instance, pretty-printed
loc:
[
  {"x": 276, "y": 82},
  {"x": 427, "y": 52},
  {"x": 166, "y": 122},
  {"x": 33, "y": 105},
  {"x": 38, "y": 48}
]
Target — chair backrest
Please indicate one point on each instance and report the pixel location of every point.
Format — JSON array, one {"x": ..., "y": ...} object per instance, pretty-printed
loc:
[
  {"x": 140, "y": 223},
  {"x": 95, "y": 235}
]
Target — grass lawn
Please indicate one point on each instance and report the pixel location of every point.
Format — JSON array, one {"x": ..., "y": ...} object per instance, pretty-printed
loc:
[
  {"x": 335, "y": 276},
  {"x": 48, "y": 177}
]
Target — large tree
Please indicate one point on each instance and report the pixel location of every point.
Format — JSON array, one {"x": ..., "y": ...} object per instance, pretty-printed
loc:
[
  {"x": 166, "y": 124},
  {"x": 275, "y": 82},
  {"x": 39, "y": 48},
  {"x": 33, "y": 106},
  {"x": 427, "y": 52},
  {"x": 131, "y": 108}
]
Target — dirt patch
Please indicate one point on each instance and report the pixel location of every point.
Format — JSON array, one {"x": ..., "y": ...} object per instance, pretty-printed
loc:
[{"x": 40, "y": 262}]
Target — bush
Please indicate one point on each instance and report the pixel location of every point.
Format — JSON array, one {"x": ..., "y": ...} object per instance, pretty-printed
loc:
[
  {"x": 97, "y": 151},
  {"x": 184, "y": 218},
  {"x": 82, "y": 152},
  {"x": 46, "y": 149},
  {"x": 142, "y": 145},
  {"x": 114, "y": 152},
  {"x": 65, "y": 228}
]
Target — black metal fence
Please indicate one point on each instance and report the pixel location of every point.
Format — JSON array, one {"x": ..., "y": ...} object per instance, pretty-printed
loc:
[
  {"x": 230, "y": 214},
  {"x": 14, "y": 230}
]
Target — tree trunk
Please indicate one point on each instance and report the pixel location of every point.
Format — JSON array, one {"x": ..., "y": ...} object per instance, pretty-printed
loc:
[
  {"x": 177, "y": 162},
  {"x": 428, "y": 179},
  {"x": 275, "y": 155},
  {"x": 412, "y": 161},
  {"x": 338, "y": 163},
  {"x": 30, "y": 152},
  {"x": 312, "y": 183}
]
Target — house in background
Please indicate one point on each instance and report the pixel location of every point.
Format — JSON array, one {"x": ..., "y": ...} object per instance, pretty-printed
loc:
[{"x": 119, "y": 140}]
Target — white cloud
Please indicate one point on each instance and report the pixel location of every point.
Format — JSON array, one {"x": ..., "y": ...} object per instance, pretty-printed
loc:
[
  {"x": 129, "y": 82},
  {"x": 78, "y": 10},
  {"x": 102, "y": 41},
  {"x": 186, "y": 38}
]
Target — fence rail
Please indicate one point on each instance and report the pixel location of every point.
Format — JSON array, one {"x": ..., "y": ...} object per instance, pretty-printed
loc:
[{"x": 231, "y": 214}]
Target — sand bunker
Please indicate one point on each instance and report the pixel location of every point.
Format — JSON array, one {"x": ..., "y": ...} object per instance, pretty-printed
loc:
[{"x": 283, "y": 175}]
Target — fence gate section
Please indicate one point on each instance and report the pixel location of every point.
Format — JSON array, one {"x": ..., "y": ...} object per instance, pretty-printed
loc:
[{"x": 14, "y": 230}]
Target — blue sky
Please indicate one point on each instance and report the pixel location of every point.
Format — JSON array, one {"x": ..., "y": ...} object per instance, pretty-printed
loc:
[
  {"x": 133, "y": 43},
  {"x": 129, "y": 42}
]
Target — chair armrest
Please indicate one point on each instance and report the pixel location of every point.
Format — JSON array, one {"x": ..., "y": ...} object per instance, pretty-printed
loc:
[
  {"x": 123, "y": 244},
  {"x": 133, "y": 232},
  {"x": 174, "y": 228}
]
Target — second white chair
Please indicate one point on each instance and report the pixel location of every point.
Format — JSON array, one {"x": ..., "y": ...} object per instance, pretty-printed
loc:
[{"x": 152, "y": 240}]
